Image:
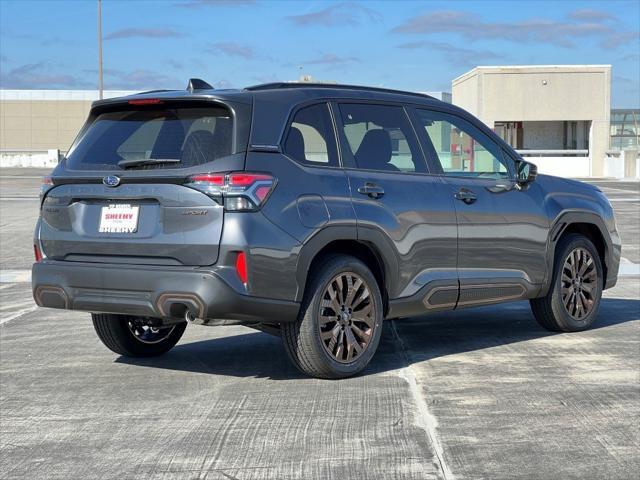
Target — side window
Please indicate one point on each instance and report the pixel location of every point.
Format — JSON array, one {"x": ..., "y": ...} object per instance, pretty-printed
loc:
[
  {"x": 310, "y": 138},
  {"x": 380, "y": 138},
  {"x": 461, "y": 150}
]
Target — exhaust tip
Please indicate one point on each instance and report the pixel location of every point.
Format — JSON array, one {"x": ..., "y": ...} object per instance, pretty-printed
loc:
[{"x": 189, "y": 316}]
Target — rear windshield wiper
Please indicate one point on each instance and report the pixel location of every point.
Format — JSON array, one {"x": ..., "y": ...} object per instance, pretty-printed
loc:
[{"x": 146, "y": 161}]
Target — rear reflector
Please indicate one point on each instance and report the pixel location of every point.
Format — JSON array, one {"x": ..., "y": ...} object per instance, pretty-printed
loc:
[
  {"x": 145, "y": 101},
  {"x": 241, "y": 267},
  {"x": 237, "y": 191},
  {"x": 37, "y": 253},
  {"x": 45, "y": 185}
]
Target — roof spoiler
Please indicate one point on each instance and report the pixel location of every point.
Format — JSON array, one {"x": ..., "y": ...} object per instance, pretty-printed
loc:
[{"x": 197, "y": 84}]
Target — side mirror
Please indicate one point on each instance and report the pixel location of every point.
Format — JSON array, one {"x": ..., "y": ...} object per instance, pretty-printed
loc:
[{"x": 526, "y": 172}]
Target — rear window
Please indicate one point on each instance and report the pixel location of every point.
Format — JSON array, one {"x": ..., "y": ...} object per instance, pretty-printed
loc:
[{"x": 154, "y": 138}]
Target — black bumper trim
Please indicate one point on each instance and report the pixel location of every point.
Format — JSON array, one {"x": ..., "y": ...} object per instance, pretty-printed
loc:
[{"x": 150, "y": 292}]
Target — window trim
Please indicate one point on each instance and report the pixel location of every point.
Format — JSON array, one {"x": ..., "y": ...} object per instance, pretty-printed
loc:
[
  {"x": 349, "y": 162},
  {"x": 292, "y": 115},
  {"x": 432, "y": 156}
]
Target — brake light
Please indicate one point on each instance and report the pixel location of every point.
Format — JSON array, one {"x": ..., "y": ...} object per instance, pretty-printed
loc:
[
  {"x": 145, "y": 101},
  {"x": 208, "y": 178},
  {"x": 238, "y": 192},
  {"x": 37, "y": 253},
  {"x": 246, "y": 179},
  {"x": 241, "y": 267}
]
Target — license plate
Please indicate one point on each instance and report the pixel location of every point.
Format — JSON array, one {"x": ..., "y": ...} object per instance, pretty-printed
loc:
[{"x": 119, "y": 218}]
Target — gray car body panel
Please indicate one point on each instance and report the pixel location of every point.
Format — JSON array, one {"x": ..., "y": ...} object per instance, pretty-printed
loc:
[
  {"x": 435, "y": 253},
  {"x": 167, "y": 227}
]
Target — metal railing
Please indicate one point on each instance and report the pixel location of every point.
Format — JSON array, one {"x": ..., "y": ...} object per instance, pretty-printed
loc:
[{"x": 553, "y": 153}]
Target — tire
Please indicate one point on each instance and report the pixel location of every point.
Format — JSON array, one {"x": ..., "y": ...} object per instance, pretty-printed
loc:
[
  {"x": 550, "y": 311},
  {"x": 325, "y": 348},
  {"x": 117, "y": 334}
]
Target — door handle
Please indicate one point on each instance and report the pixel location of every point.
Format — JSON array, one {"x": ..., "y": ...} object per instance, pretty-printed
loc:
[
  {"x": 501, "y": 187},
  {"x": 466, "y": 195},
  {"x": 371, "y": 189}
]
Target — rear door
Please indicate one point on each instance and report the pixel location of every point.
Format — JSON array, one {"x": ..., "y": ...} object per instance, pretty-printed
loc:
[
  {"x": 120, "y": 195},
  {"x": 396, "y": 199},
  {"x": 502, "y": 228}
]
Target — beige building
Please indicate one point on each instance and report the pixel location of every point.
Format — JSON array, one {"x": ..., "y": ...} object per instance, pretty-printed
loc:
[
  {"x": 557, "y": 114},
  {"x": 41, "y": 120}
]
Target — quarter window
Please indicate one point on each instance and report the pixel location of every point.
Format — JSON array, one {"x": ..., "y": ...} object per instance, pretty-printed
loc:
[
  {"x": 379, "y": 137},
  {"x": 310, "y": 138},
  {"x": 460, "y": 148}
]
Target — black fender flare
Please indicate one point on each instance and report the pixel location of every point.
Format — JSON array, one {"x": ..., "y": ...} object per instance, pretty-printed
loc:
[
  {"x": 373, "y": 238},
  {"x": 558, "y": 227}
]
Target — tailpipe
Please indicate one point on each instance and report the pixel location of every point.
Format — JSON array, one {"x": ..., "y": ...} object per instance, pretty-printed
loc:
[{"x": 184, "y": 306}]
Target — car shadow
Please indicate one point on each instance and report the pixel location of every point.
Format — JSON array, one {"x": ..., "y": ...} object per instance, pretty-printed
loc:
[{"x": 404, "y": 341}]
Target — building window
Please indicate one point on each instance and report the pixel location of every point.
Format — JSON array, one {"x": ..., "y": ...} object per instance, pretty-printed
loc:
[{"x": 625, "y": 129}]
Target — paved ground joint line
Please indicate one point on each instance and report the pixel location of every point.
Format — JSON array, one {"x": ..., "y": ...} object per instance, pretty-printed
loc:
[
  {"x": 18, "y": 314},
  {"x": 425, "y": 419}
]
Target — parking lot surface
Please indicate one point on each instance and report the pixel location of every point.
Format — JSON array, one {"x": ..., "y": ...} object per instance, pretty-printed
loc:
[{"x": 475, "y": 394}]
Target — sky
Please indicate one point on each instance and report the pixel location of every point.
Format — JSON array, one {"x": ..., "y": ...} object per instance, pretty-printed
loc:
[{"x": 409, "y": 45}]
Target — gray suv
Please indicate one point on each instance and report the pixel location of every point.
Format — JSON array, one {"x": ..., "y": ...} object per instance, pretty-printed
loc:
[{"x": 313, "y": 212}]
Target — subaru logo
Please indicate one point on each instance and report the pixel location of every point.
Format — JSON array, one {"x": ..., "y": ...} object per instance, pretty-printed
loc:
[{"x": 111, "y": 181}]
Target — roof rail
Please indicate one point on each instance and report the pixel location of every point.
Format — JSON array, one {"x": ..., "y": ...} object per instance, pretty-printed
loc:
[{"x": 337, "y": 86}]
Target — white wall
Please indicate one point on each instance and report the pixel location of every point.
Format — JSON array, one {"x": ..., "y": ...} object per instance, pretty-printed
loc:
[
  {"x": 568, "y": 167},
  {"x": 48, "y": 159}
]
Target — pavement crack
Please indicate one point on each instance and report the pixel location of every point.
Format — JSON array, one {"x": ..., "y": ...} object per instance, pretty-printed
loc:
[
  {"x": 18, "y": 314},
  {"x": 226, "y": 475},
  {"x": 424, "y": 418}
]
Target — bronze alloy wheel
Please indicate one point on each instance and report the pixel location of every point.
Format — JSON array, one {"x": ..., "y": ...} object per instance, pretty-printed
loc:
[
  {"x": 346, "y": 317},
  {"x": 146, "y": 333},
  {"x": 579, "y": 283}
]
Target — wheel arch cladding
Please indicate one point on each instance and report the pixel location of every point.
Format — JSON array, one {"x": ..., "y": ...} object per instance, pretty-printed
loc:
[
  {"x": 363, "y": 251},
  {"x": 587, "y": 224},
  {"x": 593, "y": 233}
]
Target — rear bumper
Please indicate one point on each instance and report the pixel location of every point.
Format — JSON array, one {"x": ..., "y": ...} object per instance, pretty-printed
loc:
[{"x": 152, "y": 292}]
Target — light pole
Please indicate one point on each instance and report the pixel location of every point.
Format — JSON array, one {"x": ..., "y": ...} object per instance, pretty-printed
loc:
[{"x": 100, "y": 83}]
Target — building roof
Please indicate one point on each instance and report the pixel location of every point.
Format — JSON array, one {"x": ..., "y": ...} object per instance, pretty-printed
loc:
[
  {"x": 531, "y": 68},
  {"x": 53, "y": 95},
  {"x": 302, "y": 89}
]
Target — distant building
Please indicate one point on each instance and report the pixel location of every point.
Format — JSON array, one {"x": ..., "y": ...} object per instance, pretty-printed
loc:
[
  {"x": 444, "y": 96},
  {"x": 41, "y": 120},
  {"x": 625, "y": 129},
  {"x": 559, "y": 113},
  {"x": 558, "y": 116},
  {"x": 310, "y": 79}
]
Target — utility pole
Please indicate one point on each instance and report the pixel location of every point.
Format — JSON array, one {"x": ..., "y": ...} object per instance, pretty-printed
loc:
[{"x": 100, "y": 82}]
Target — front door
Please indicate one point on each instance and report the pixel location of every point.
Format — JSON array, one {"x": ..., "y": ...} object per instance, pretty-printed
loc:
[
  {"x": 399, "y": 205},
  {"x": 502, "y": 228}
]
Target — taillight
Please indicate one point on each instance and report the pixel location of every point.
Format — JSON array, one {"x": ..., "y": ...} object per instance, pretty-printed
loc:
[
  {"x": 37, "y": 253},
  {"x": 238, "y": 192}
]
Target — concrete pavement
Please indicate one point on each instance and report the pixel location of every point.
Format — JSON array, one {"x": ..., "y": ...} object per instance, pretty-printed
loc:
[{"x": 479, "y": 393}]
